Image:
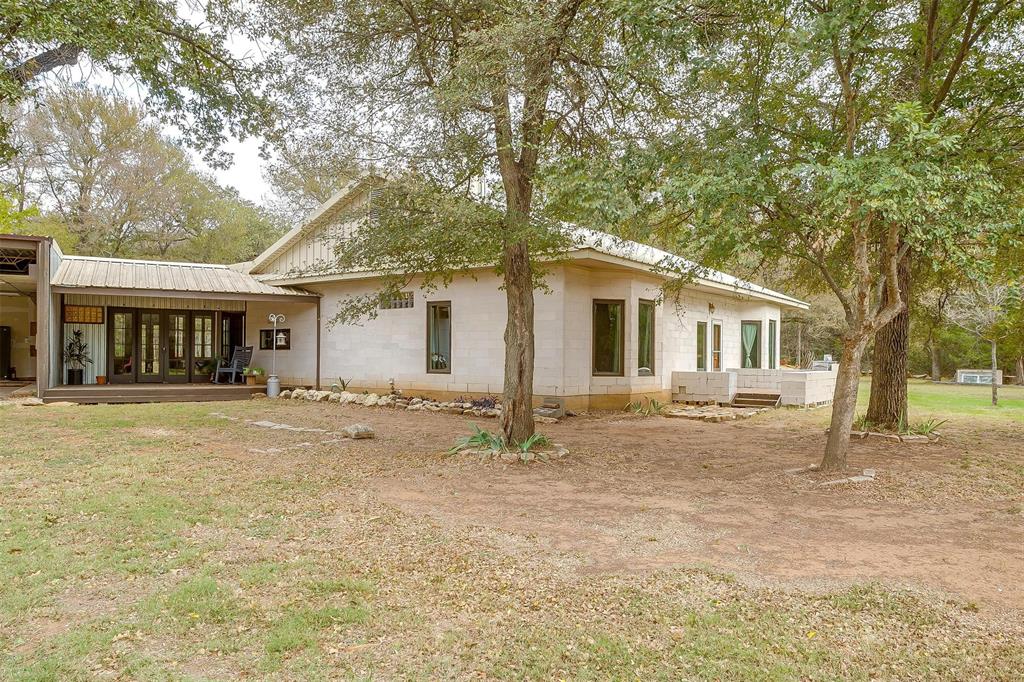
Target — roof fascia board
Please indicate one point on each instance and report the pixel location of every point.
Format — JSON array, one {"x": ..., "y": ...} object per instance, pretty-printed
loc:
[
  {"x": 160, "y": 293},
  {"x": 595, "y": 254}
]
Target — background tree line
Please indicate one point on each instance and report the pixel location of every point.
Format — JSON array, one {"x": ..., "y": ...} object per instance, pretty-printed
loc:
[{"x": 98, "y": 173}]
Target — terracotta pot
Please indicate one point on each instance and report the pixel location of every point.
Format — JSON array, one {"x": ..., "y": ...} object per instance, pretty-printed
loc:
[
  {"x": 250, "y": 380},
  {"x": 100, "y": 379}
]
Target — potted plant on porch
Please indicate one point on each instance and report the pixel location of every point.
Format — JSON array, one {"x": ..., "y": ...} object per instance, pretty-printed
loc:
[
  {"x": 76, "y": 356},
  {"x": 253, "y": 375}
]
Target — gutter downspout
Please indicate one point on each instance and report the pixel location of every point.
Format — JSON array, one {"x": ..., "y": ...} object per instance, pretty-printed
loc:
[{"x": 318, "y": 343}]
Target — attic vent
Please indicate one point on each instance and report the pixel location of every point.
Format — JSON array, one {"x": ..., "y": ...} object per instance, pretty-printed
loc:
[
  {"x": 401, "y": 299},
  {"x": 373, "y": 206}
]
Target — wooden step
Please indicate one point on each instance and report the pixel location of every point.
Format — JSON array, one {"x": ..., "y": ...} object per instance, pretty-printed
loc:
[{"x": 756, "y": 400}]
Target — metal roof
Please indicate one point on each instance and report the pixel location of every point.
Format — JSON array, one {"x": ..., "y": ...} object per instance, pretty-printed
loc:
[{"x": 87, "y": 272}]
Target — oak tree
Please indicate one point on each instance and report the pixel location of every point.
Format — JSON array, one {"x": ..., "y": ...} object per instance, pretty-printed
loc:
[{"x": 469, "y": 104}]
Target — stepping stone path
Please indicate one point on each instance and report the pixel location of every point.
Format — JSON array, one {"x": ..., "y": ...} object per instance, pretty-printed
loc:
[
  {"x": 713, "y": 413},
  {"x": 354, "y": 432}
]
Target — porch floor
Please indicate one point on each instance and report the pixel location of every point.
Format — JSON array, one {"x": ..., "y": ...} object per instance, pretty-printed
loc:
[{"x": 149, "y": 393}]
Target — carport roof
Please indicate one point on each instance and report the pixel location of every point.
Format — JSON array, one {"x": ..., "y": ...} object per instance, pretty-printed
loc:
[{"x": 159, "y": 278}]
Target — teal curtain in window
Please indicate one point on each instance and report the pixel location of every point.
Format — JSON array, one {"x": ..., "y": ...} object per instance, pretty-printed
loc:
[
  {"x": 771, "y": 344},
  {"x": 748, "y": 338}
]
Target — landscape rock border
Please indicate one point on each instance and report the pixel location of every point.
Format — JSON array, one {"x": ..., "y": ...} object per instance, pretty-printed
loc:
[
  {"x": 400, "y": 402},
  {"x": 893, "y": 437}
]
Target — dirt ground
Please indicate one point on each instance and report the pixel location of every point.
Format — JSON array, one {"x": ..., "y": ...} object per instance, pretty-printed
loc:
[
  {"x": 638, "y": 494},
  {"x": 157, "y": 541}
]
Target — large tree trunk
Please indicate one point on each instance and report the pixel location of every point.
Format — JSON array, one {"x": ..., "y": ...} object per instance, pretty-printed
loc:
[
  {"x": 995, "y": 384},
  {"x": 936, "y": 361},
  {"x": 1020, "y": 370},
  {"x": 887, "y": 406},
  {"x": 844, "y": 406},
  {"x": 517, "y": 397}
]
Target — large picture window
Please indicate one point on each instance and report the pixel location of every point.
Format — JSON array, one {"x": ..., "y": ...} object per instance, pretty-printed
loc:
[
  {"x": 771, "y": 344},
  {"x": 702, "y": 346},
  {"x": 645, "y": 339},
  {"x": 439, "y": 337},
  {"x": 608, "y": 337},
  {"x": 750, "y": 344}
]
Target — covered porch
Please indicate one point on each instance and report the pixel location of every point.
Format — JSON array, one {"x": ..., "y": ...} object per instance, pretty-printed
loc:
[{"x": 151, "y": 331}]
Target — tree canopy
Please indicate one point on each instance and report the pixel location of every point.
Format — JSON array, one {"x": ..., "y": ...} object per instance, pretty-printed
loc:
[
  {"x": 472, "y": 103},
  {"x": 187, "y": 72},
  {"x": 104, "y": 180}
]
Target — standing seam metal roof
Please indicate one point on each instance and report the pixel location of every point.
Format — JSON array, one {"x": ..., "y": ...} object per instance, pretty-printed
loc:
[{"x": 199, "y": 278}]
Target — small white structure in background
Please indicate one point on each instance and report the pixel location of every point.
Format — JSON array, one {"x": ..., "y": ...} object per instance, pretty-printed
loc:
[{"x": 978, "y": 376}]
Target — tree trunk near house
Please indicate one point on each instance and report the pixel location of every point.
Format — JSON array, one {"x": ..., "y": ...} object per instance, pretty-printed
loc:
[
  {"x": 844, "y": 406},
  {"x": 517, "y": 396},
  {"x": 995, "y": 384},
  {"x": 936, "y": 361},
  {"x": 887, "y": 405},
  {"x": 1020, "y": 370}
]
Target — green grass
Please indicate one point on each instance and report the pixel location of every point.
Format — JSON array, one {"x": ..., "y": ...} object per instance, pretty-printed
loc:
[{"x": 941, "y": 401}]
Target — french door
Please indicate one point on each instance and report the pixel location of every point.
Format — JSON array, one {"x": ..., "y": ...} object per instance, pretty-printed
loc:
[{"x": 163, "y": 346}]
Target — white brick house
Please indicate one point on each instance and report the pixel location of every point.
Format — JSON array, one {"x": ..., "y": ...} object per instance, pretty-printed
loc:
[
  {"x": 603, "y": 279},
  {"x": 605, "y": 331}
]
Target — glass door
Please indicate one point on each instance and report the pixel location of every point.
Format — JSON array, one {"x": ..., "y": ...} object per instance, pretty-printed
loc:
[
  {"x": 151, "y": 366},
  {"x": 176, "y": 346},
  {"x": 203, "y": 342},
  {"x": 121, "y": 346},
  {"x": 716, "y": 346}
]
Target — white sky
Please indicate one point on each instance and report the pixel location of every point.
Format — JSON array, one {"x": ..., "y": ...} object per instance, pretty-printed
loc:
[{"x": 245, "y": 173}]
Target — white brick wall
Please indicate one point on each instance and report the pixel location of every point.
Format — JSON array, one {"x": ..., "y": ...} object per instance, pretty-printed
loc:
[{"x": 394, "y": 344}]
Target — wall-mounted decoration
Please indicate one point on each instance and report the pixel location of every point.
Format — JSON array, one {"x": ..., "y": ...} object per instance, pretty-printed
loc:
[
  {"x": 83, "y": 314},
  {"x": 283, "y": 339}
]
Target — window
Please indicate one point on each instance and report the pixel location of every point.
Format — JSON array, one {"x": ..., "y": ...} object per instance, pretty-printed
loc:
[
  {"x": 645, "y": 339},
  {"x": 284, "y": 339},
  {"x": 750, "y": 344},
  {"x": 716, "y": 346},
  {"x": 439, "y": 337},
  {"x": 702, "y": 346},
  {"x": 771, "y": 344},
  {"x": 83, "y": 314},
  {"x": 402, "y": 299},
  {"x": 608, "y": 338}
]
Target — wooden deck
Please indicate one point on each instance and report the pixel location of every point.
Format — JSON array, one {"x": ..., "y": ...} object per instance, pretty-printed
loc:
[{"x": 149, "y": 393}]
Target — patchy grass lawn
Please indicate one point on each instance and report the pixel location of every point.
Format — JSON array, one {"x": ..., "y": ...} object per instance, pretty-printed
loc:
[{"x": 164, "y": 542}]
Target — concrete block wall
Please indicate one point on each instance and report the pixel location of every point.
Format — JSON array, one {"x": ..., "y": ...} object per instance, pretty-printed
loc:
[
  {"x": 808, "y": 388},
  {"x": 704, "y": 386},
  {"x": 297, "y": 365},
  {"x": 758, "y": 380},
  {"x": 393, "y": 344}
]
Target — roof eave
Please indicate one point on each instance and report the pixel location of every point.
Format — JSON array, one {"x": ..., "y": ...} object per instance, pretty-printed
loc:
[{"x": 166, "y": 293}]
